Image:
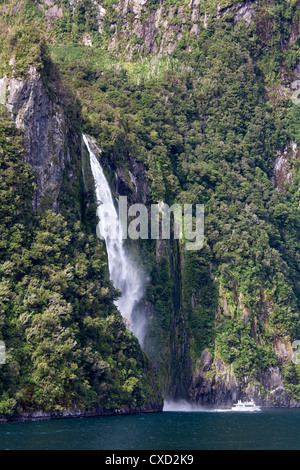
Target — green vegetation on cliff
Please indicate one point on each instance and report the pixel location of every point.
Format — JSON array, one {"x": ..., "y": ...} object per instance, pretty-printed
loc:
[
  {"x": 210, "y": 134},
  {"x": 67, "y": 344},
  {"x": 207, "y": 120}
]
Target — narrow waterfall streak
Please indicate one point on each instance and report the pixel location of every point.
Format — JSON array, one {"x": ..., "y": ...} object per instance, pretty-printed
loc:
[
  {"x": 124, "y": 273},
  {"x": 181, "y": 405}
]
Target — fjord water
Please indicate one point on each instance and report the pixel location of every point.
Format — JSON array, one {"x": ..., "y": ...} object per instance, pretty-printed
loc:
[
  {"x": 124, "y": 272},
  {"x": 271, "y": 429}
]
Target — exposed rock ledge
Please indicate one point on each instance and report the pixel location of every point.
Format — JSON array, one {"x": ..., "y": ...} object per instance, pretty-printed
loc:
[
  {"x": 77, "y": 413},
  {"x": 284, "y": 166}
]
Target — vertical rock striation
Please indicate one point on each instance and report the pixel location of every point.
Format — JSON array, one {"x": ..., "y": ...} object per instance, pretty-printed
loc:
[{"x": 47, "y": 133}]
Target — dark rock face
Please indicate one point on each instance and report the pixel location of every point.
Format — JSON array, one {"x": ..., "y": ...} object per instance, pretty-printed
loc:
[
  {"x": 215, "y": 384},
  {"x": 130, "y": 180},
  {"x": 46, "y": 135},
  {"x": 159, "y": 27},
  {"x": 133, "y": 182}
]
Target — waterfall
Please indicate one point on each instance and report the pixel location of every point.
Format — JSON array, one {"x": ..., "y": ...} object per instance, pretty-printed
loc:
[{"x": 124, "y": 272}]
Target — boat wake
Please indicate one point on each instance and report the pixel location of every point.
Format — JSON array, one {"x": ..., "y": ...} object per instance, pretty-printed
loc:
[{"x": 185, "y": 406}]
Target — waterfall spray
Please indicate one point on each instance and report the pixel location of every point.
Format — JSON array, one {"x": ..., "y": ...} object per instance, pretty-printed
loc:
[{"x": 124, "y": 272}]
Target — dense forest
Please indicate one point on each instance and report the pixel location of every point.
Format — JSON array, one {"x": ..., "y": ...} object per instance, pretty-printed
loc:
[{"x": 206, "y": 104}]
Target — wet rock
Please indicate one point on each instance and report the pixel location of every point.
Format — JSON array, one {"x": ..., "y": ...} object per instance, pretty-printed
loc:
[
  {"x": 46, "y": 133},
  {"x": 215, "y": 384}
]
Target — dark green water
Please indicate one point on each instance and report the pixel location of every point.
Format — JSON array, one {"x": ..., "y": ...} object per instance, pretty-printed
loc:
[{"x": 266, "y": 430}]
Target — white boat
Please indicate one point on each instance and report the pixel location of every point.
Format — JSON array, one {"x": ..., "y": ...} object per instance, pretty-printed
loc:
[{"x": 245, "y": 406}]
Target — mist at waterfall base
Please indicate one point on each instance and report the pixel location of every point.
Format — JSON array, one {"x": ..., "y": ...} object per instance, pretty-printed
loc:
[
  {"x": 181, "y": 405},
  {"x": 125, "y": 274}
]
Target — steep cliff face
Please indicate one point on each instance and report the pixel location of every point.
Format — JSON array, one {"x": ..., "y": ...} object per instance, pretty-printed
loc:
[
  {"x": 215, "y": 383},
  {"x": 159, "y": 28},
  {"x": 140, "y": 27},
  {"x": 51, "y": 144},
  {"x": 284, "y": 166},
  {"x": 217, "y": 124},
  {"x": 50, "y": 141},
  {"x": 167, "y": 337},
  {"x": 215, "y": 335}
]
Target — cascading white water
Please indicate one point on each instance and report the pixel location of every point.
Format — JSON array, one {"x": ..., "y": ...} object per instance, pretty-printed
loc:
[{"x": 124, "y": 273}]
